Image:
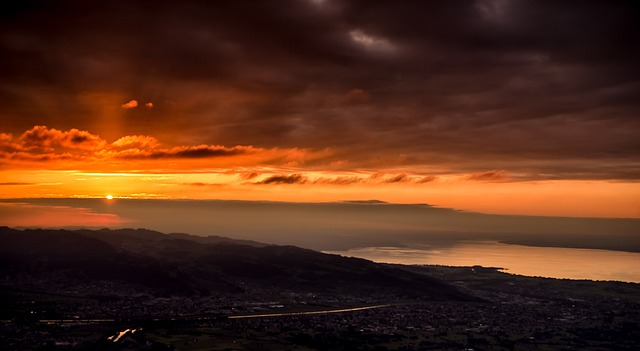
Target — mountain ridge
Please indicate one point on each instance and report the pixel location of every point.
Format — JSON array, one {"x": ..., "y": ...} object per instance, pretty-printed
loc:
[{"x": 179, "y": 263}]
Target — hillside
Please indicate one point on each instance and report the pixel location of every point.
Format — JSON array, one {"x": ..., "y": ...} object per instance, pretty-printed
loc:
[{"x": 82, "y": 261}]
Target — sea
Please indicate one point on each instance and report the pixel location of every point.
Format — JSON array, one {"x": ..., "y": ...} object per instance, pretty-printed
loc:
[{"x": 551, "y": 262}]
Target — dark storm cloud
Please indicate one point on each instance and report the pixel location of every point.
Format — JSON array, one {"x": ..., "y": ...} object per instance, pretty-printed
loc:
[{"x": 537, "y": 87}]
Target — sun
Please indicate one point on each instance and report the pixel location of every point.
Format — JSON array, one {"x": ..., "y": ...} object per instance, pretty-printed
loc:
[{"x": 109, "y": 197}]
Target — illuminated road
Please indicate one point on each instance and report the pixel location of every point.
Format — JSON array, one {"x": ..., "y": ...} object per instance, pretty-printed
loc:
[
  {"x": 307, "y": 313},
  {"x": 265, "y": 315}
]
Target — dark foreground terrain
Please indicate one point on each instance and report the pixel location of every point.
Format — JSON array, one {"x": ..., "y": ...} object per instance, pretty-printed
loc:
[{"x": 143, "y": 290}]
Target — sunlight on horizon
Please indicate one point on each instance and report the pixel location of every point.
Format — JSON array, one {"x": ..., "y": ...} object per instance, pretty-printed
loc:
[{"x": 542, "y": 198}]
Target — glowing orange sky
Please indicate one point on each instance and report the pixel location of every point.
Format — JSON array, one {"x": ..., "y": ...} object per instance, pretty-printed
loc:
[
  {"x": 44, "y": 162},
  {"x": 491, "y": 106}
]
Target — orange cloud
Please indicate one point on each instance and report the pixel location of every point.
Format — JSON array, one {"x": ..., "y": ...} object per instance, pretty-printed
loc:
[
  {"x": 375, "y": 179},
  {"x": 340, "y": 180},
  {"x": 188, "y": 152},
  {"x": 43, "y": 144},
  {"x": 83, "y": 150},
  {"x": 397, "y": 179},
  {"x": 142, "y": 142},
  {"x": 248, "y": 175},
  {"x": 5, "y": 137},
  {"x": 130, "y": 104},
  {"x": 43, "y": 138},
  {"x": 147, "y": 147}
]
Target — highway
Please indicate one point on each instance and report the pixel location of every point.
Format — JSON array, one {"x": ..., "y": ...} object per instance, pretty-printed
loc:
[{"x": 342, "y": 310}]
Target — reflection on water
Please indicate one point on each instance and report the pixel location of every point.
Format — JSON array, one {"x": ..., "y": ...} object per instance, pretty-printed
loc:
[{"x": 526, "y": 260}]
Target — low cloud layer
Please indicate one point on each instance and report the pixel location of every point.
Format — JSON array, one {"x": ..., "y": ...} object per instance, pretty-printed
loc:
[
  {"x": 45, "y": 146},
  {"x": 374, "y": 179},
  {"x": 50, "y": 148}
]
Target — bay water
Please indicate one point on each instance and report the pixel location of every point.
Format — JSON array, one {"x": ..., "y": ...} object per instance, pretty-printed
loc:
[{"x": 552, "y": 262}]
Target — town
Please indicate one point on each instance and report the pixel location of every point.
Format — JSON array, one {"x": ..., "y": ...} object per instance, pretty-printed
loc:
[{"x": 510, "y": 312}]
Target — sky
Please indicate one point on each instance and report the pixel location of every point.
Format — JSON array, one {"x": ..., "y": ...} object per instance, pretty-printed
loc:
[{"x": 494, "y": 106}]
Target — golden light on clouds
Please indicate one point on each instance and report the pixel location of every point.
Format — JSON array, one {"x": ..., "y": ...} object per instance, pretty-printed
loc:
[
  {"x": 563, "y": 198},
  {"x": 47, "y": 162},
  {"x": 327, "y": 101}
]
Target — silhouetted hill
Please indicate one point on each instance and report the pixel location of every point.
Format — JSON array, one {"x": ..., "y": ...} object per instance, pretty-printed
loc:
[
  {"x": 158, "y": 263},
  {"x": 66, "y": 259}
]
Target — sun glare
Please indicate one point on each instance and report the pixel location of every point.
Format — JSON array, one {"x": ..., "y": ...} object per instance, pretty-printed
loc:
[{"x": 109, "y": 197}]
